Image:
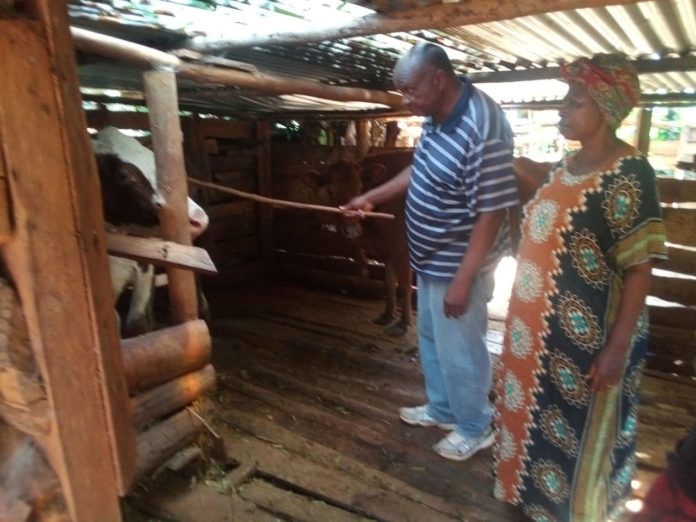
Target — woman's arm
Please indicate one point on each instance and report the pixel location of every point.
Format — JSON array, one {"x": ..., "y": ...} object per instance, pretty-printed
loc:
[{"x": 608, "y": 364}]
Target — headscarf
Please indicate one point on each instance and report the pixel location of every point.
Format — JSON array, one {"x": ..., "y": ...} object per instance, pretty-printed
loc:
[{"x": 611, "y": 80}]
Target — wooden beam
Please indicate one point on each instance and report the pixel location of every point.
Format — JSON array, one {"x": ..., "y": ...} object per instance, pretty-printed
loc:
[
  {"x": 6, "y": 219},
  {"x": 160, "y": 253},
  {"x": 676, "y": 190},
  {"x": 147, "y": 57},
  {"x": 436, "y": 16},
  {"x": 644, "y": 66},
  {"x": 59, "y": 266},
  {"x": 263, "y": 154},
  {"x": 680, "y": 224},
  {"x": 643, "y": 133}
]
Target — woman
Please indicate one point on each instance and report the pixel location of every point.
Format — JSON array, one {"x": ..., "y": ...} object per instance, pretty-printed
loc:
[{"x": 576, "y": 333}]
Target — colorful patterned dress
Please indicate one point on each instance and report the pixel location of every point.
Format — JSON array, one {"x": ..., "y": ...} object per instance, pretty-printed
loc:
[{"x": 564, "y": 453}]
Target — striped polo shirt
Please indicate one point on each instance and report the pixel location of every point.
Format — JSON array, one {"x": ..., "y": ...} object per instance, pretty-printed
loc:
[{"x": 461, "y": 167}]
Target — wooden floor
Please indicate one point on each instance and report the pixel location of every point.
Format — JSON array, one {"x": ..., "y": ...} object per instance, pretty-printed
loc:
[{"x": 306, "y": 402}]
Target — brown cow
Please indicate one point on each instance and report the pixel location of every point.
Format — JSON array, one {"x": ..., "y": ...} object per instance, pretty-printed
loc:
[{"x": 380, "y": 239}]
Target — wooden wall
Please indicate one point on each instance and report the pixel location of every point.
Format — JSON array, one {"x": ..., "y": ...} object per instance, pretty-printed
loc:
[
  {"x": 673, "y": 317},
  {"x": 234, "y": 154}
]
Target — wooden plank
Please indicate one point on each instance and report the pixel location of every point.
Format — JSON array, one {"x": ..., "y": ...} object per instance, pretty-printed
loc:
[
  {"x": 234, "y": 227},
  {"x": 675, "y": 316},
  {"x": 237, "y": 249},
  {"x": 120, "y": 120},
  {"x": 335, "y": 487},
  {"x": 681, "y": 260},
  {"x": 160, "y": 252},
  {"x": 161, "y": 95},
  {"x": 678, "y": 344},
  {"x": 59, "y": 266},
  {"x": 674, "y": 289},
  {"x": 233, "y": 162},
  {"x": 6, "y": 221},
  {"x": 233, "y": 208},
  {"x": 232, "y": 130},
  {"x": 265, "y": 184},
  {"x": 293, "y": 506},
  {"x": 680, "y": 224},
  {"x": 676, "y": 190}
]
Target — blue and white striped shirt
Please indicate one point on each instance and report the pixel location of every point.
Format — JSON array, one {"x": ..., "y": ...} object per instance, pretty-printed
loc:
[{"x": 461, "y": 167}]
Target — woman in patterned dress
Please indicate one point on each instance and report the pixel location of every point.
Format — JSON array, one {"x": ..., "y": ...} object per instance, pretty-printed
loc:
[{"x": 576, "y": 333}]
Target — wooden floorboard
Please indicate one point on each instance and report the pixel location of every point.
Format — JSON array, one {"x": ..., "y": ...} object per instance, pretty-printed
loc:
[{"x": 307, "y": 397}]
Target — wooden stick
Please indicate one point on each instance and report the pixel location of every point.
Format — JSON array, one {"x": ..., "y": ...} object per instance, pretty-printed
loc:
[{"x": 282, "y": 202}]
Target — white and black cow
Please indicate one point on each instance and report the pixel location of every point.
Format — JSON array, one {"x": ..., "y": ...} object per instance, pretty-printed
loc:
[{"x": 130, "y": 197}]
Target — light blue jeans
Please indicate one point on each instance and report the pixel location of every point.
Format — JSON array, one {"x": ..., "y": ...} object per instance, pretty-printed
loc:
[{"x": 454, "y": 357}]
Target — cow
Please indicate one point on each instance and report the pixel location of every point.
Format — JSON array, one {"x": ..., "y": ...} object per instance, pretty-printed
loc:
[
  {"x": 379, "y": 239},
  {"x": 130, "y": 199}
]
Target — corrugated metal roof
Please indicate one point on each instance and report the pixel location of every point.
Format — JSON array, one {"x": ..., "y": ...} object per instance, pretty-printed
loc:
[{"x": 650, "y": 31}]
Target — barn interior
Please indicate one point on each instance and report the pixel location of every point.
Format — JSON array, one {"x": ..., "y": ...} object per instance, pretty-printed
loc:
[{"x": 276, "y": 396}]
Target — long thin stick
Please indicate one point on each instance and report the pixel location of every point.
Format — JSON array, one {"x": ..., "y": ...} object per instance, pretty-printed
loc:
[{"x": 282, "y": 202}]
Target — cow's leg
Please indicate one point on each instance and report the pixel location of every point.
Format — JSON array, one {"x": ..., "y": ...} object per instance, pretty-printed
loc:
[
  {"x": 402, "y": 270},
  {"x": 390, "y": 283},
  {"x": 140, "y": 314}
]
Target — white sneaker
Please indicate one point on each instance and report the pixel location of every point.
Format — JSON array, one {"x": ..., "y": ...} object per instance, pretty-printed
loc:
[
  {"x": 458, "y": 447},
  {"x": 419, "y": 416}
]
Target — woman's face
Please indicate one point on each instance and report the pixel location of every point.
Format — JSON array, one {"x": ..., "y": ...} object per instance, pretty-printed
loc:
[{"x": 581, "y": 118}]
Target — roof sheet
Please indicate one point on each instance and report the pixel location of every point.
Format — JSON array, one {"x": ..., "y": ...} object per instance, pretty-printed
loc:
[{"x": 653, "y": 30}]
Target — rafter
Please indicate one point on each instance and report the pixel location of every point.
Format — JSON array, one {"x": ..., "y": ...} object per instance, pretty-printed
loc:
[{"x": 437, "y": 16}]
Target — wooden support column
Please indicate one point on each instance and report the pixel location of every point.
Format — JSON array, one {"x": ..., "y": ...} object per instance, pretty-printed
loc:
[
  {"x": 643, "y": 131},
  {"x": 57, "y": 261},
  {"x": 362, "y": 138},
  {"x": 263, "y": 135},
  {"x": 160, "y": 92}
]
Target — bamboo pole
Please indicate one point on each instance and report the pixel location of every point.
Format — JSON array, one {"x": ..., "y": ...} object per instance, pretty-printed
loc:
[
  {"x": 165, "y": 354},
  {"x": 285, "y": 203},
  {"x": 436, "y": 16},
  {"x": 171, "y": 396},
  {"x": 161, "y": 96},
  {"x": 147, "y": 57}
]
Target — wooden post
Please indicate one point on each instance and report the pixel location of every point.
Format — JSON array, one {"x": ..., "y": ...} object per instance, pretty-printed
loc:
[
  {"x": 160, "y": 92},
  {"x": 263, "y": 135},
  {"x": 643, "y": 132},
  {"x": 57, "y": 261},
  {"x": 156, "y": 357},
  {"x": 362, "y": 138}
]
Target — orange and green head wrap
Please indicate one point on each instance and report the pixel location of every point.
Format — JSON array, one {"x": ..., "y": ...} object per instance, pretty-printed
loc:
[{"x": 611, "y": 81}]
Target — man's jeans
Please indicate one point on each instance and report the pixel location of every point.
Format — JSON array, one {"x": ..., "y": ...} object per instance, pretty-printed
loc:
[{"x": 454, "y": 357}]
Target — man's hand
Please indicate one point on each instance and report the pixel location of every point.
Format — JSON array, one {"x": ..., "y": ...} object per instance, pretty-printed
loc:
[
  {"x": 357, "y": 207},
  {"x": 456, "y": 299}
]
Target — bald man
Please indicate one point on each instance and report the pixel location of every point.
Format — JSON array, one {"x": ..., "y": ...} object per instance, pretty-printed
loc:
[{"x": 459, "y": 190}]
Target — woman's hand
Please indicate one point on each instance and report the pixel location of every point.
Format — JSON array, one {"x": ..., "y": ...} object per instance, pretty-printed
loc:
[{"x": 607, "y": 367}]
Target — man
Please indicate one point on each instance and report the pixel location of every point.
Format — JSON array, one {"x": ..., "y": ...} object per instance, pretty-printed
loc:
[{"x": 459, "y": 190}]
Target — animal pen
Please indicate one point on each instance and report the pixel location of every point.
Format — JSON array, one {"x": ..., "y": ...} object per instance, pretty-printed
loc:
[{"x": 283, "y": 404}]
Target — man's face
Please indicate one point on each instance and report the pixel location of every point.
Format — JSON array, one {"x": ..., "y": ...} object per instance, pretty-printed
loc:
[{"x": 420, "y": 86}]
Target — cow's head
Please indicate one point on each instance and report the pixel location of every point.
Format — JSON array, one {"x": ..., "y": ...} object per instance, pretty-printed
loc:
[
  {"x": 127, "y": 195},
  {"x": 111, "y": 141},
  {"x": 343, "y": 181}
]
